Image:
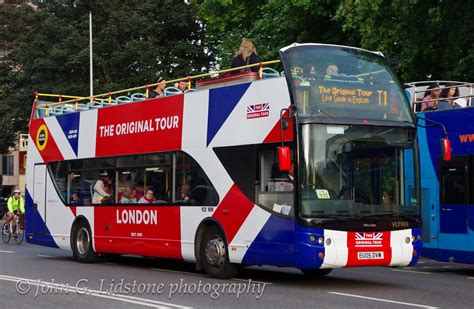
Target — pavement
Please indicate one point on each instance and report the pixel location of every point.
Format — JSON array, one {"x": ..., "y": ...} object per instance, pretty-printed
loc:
[{"x": 40, "y": 277}]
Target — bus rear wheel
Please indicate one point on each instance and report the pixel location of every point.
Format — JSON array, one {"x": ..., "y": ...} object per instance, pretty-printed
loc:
[
  {"x": 316, "y": 273},
  {"x": 82, "y": 249},
  {"x": 215, "y": 256}
]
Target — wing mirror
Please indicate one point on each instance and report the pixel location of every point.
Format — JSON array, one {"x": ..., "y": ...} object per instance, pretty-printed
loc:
[
  {"x": 284, "y": 158},
  {"x": 446, "y": 148}
]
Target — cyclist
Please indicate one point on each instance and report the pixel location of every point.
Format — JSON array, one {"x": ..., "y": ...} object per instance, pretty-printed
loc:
[{"x": 15, "y": 205}]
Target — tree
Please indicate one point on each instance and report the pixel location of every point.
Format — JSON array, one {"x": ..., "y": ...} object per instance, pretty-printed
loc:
[
  {"x": 134, "y": 41},
  {"x": 272, "y": 24},
  {"x": 421, "y": 39}
]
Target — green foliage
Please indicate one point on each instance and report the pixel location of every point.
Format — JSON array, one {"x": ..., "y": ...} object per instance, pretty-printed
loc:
[
  {"x": 421, "y": 39},
  {"x": 271, "y": 24}
]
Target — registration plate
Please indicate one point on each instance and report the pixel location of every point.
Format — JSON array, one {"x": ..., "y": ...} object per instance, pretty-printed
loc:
[{"x": 373, "y": 255}]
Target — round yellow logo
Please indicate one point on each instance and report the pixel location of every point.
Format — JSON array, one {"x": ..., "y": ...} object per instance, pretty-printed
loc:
[{"x": 42, "y": 137}]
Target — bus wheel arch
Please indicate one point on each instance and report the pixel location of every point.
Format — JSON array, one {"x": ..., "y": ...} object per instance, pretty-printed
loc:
[
  {"x": 211, "y": 233},
  {"x": 82, "y": 241}
]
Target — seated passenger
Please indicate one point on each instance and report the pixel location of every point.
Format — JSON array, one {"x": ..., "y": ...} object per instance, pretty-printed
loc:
[
  {"x": 159, "y": 90},
  {"x": 449, "y": 91},
  {"x": 147, "y": 198},
  {"x": 182, "y": 85},
  {"x": 184, "y": 192},
  {"x": 309, "y": 72},
  {"x": 245, "y": 55},
  {"x": 332, "y": 69},
  {"x": 128, "y": 196},
  {"x": 101, "y": 196},
  {"x": 431, "y": 95},
  {"x": 75, "y": 201}
]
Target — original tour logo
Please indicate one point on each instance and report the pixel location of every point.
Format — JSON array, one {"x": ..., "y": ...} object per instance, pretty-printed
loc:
[{"x": 42, "y": 137}]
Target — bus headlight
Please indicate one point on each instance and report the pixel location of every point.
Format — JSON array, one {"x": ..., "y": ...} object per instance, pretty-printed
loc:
[
  {"x": 328, "y": 242},
  {"x": 413, "y": 238},
  {"x": 407, "y": 240},
  {"x": 321, "y": 240},
  {"x": 312, "y": 238}
]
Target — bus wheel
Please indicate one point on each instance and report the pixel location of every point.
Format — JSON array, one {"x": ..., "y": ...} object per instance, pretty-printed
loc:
[
  {"x": 316, "y": 272},
  {"x": 214, "y": 255},
  {"x": 82, "y": 244}
]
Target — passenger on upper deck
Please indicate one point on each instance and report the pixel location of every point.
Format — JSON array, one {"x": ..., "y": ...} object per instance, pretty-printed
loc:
[
  {"x": 159, "y": 90},
  {"x": 245, "y": 55},
  {"x": 182, "y": 85},
  {"x": 310, "y": 72},
  {"x": 332, "y": 69},
  {"x": 432, "y": 96},
  {"x": 449, "y": 91}
]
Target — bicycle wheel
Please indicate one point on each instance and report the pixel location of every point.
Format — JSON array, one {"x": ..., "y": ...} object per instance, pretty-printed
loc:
[
  {"x": 20, "y": 235},
  {"x": 5, "y": 233}
]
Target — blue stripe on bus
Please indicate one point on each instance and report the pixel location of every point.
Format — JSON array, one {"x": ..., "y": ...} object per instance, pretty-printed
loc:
[
  {"x": 446, "y": 255},
  {"x": 222, "y": 102},
  {"x": 36, "y": 230}
]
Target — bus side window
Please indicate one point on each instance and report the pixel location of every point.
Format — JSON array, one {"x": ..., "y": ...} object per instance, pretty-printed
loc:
[
  {"x": 192, "y": 185},
  {"x": 274, "y": 189}
]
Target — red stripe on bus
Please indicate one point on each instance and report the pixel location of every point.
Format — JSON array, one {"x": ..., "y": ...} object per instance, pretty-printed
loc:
[{"x": 232, "y": 212}]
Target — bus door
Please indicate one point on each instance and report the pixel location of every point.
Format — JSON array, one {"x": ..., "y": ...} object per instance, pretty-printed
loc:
[
  {"x": 454, "y": 195},
  {"x": 38, "y": 216}
]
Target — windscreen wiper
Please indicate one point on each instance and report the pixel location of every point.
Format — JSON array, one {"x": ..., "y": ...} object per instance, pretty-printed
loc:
[{"x": 389, "y": 214}]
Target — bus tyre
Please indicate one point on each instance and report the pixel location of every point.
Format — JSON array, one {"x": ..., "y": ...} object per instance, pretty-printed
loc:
[
  {"x": 82, "y": 249},
  {"x": 214, "y": 255},
  {"x": 316, "y": 273}
]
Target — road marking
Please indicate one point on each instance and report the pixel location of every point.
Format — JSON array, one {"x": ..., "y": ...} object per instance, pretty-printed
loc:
[
  {"x": 472, "y": 278},
  {"x": 382, "y": 300},
  {"x": 413, "y": 271},
  {"x": 175, "y": 271},
  {"x": 5, "y": 251},
  {"x": 82, "y": 290},
  {"x": 250, "y": 280}
]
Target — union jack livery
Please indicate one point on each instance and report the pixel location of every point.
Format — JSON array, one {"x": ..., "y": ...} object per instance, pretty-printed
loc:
[{"x": 297, "y": 170}]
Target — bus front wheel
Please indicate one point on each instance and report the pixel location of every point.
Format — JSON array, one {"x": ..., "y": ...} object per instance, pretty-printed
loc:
[
  {"x": 82, "y": 249},
  {"x": 214, "y": 255}
]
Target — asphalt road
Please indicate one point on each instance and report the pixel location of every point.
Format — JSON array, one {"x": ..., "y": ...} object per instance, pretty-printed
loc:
[{"x": 40, "y": 277}]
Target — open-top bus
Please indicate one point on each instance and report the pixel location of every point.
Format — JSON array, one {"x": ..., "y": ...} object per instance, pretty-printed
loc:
[
  {"x": 310, "y": 169},
  {"x": 447, "y": 187}
]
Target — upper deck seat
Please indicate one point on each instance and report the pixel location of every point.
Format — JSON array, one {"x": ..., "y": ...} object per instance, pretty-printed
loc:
[
  {"x": 138, "y": 97},
  {"x": 57, "y": 110},
  {"x": 41, "y": 111},
  {"x": 123, "y": 99},
  {"x": 172, "y": 91},
  {"x": 189, "y": 90},
  {"x": 269, "y": 73},
  {"x": 94, "y": 105},
  {"x": 107, "y": 102}
]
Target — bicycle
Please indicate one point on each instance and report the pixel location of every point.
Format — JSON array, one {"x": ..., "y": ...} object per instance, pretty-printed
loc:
[{"x": 13, "y": 229}]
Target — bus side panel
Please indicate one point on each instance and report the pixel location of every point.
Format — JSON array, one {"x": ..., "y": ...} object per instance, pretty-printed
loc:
[{"x": 141, "y": 230}]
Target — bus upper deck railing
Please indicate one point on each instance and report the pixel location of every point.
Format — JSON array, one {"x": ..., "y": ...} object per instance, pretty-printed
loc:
[
  {"x": 42, "y": 108},
  {"x": 414, "y": 90}
]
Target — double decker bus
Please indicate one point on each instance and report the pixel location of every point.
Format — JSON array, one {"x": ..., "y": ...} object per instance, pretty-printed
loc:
[
  {"x": 313, "y": 168},
  {"x": 447, "y": 187}
]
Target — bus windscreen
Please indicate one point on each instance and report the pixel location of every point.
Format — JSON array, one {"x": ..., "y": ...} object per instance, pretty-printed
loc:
[{"x": 333, "y": 81}]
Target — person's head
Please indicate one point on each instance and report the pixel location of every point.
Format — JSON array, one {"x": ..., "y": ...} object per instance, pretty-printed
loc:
[
  {"x": 129, "y": 192},
  {"x": 16, "y": 193},
  {"x": 149, "y": 194},
  {"x": 332, "y": 69},
  {"x": 309, "y": 71},
  {"x": 450, "y": 90},
  {"x": 433, "y": 91},
  {"x": 182, "y": 85},
  {"x": 386, "y": 198},
  {"x": 75, "y": 197},
  {"x": 162, "y": 86},
  {"x": 246, "y": 49},
  {"x": 184, "y": 190}
]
